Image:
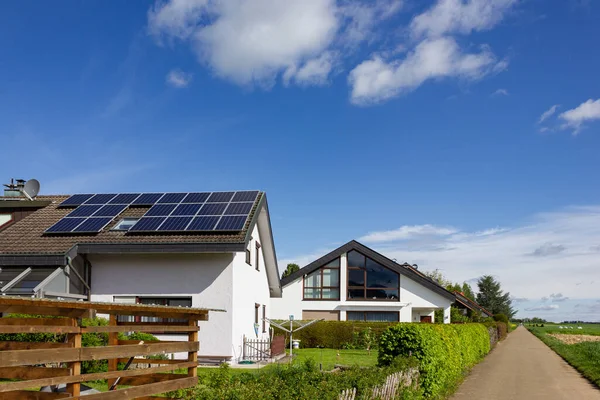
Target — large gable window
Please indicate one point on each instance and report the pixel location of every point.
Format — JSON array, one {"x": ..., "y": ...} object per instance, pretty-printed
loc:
[
  {"x": 324, "y": 283},
  {"x": 369, "y": 280}
]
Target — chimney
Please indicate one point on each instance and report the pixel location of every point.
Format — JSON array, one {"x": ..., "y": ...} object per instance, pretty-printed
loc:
[{"x": 13, "y": 189}]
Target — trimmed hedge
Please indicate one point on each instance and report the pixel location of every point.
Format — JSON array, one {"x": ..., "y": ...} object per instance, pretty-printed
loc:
[
  {"x": 337, "y": 334},
  {"x": 445, "y": 352}
]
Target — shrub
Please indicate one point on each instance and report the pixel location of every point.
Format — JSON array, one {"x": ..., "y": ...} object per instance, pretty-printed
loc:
[
  {"x": 339, "y": 334},
  {"x": 445, "y": 352}
]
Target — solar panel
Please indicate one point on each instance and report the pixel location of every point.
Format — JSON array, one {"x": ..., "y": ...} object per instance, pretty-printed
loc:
[
  {"x": 76, "y": 200},
  {"x": 239, "y": 208},
  {"x": 220, "y": 197},
  {"x": 160, "y": 210},
  {"x": 93, "y": 224},
  {"x": 212, "y": 209},
  {"x": 203, "y": 224},
  {"x": 187, "y": 209},
  {"x": 147, "y": 224},
  {"x": 231, "y": 223},
  {"x": 245, "y": 196},
  {"x": 195, "y": 198},
  {"x": 172, "y": 198},
  {"x": 124, "y": 198},
  {"x": 84, "y": 211},
  {"x": 175, "y": 224},
  {"x": 110, "y": 210},
  {"x": 147, "y": 199},
  {"x": 65, "y": 225},
  {"x": 101, "y": 198}
]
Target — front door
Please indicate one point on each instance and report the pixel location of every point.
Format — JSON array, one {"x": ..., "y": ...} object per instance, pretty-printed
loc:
[{"x": 426, "y": 319}]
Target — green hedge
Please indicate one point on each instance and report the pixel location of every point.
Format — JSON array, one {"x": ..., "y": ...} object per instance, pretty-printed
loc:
[
  {"x": 338, "y": 334},
  {"x": 445, "y": 352}
]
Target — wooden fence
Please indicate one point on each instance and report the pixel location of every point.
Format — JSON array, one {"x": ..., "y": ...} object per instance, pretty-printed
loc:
[
  {"x": 35, "y": 364},
  {"x": 388, "y": 390}
]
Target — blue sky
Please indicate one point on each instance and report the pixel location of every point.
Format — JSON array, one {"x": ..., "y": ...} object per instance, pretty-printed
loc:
[{"x": 459, "y": 135}]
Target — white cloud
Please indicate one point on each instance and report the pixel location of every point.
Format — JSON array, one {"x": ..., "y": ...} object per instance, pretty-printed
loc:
[
  {"x": 549, "y": 307},
  {"x": 500, "y": 92},
  {"x": 176, "y": 18},
  {"x": 459, "y": 16},
  {"x": 362, "y": 18},
  {"x": 407, "y": 232},
  {"x": 376, "y": 80},
  {"x": 314, "y": 72},
  {"x": 548, "y": 113},
  {"x": 576, "y": 117},
  {"x": 548, "y": 249},
  {"x": 179, "y": 79},
  {"x": 558, "y": 297}
]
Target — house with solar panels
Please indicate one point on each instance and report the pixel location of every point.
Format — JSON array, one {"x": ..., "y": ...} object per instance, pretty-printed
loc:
[
  {"x": 356, "y": 283},
  {"x": 204, "y": 249}
]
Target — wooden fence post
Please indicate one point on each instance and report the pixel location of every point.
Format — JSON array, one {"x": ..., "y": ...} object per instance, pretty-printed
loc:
[
  {"x": 75, "y": 341},
  {"x": 113, "y": 340},
  {"x": 193, "y": 355}
]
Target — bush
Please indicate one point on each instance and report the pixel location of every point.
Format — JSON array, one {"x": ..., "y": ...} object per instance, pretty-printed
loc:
[
  {"x": 445, "y": 352},
  {"x": 339, "y": 334},
  {"x": 296, "y": 382}
]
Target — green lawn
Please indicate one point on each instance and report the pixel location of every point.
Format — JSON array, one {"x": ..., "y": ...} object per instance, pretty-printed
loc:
[
  {"x": 585, "y": 357},
  {"x": 330, "y": 357},
  {"x": 587, "y": 329}
]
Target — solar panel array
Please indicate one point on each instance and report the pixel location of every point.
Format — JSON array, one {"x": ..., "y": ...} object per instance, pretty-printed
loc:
[{"x": 169, "y": 212}]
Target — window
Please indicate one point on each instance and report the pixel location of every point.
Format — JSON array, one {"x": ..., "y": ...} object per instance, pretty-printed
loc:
[
  {"x": 125, "y": 224},
  {"x": 264, "y": 320},
  {"x": 248, "y": 256},
  {"x": 324, "y": 283},
  {"x": 256, "y": 307},
  {"x": 369, "y": 280},
  {"x": 162, "y": 301},
  {"x": 373, "y": 316},
  {"x": 257, "y": 256}
]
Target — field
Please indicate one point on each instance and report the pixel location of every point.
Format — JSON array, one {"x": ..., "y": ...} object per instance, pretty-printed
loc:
[{"x": 585, "y": 356}]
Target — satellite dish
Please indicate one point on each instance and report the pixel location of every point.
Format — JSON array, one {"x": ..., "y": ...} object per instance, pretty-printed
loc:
[{"x": 31, "y": 188}]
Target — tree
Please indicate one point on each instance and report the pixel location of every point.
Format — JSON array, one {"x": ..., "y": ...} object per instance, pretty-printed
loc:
[
  {"x": 291, "y": 268},
  {"x": 467, "y": 291},
  {"x": 437, "y": 277},
  {"x": 492, "y": 298}
]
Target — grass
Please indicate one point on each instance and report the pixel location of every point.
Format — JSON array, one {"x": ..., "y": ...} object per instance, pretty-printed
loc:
[
  {"x": 331, "y": 357},
  {"x": 587, "y": 329},
  {"x": 585, "y": 357}
]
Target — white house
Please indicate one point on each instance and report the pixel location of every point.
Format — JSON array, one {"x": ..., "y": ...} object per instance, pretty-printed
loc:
[
  {"x": 212, "y": 250},
  {"x": 355, "y": 283}
]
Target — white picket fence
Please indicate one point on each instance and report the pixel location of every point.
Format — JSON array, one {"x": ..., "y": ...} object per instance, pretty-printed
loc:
[{"x": 393, "y": 385}]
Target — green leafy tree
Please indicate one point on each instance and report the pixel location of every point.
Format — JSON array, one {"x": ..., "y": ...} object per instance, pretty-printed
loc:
[
  {"x": 438, "y": 277},
  {"x": 491, "y": 297},
  {"x": 291, "y": 268},
  {"x": 467, "y": 291}
]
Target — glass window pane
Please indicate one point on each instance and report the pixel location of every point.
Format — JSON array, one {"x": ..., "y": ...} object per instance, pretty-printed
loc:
[
  {"x": 356, "y": 294},
  {"x": 331, "y": 293},
  {"x": 355, "y": 259},
  {"x": 312, "y": 293},
  {"x": 356, "y": 277},
  {"x": 381, "y": 316},
  {"x": 380, "y": 277},
  {"x": 355, "y": 316},
  {"x": 382, "y": 294},
  {"x": 333, "y": 264},
  {"x": 179, "y": 302},
  {"x": 313, "y": 280},
  {"x": 331, "y": 277}
]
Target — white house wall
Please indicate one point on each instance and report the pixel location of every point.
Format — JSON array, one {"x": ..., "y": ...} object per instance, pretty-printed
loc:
[
  {"x": 206, "y": 278},
  {"x": 250, "y": 287},
  {"x": 415, "y": 300}
]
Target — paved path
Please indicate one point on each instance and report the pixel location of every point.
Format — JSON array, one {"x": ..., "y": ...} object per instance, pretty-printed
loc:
[{"x": 522, "y": 367}]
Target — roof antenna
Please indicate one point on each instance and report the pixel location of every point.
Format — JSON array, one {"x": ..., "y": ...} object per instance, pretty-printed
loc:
[{"x": 31, "y": 188}]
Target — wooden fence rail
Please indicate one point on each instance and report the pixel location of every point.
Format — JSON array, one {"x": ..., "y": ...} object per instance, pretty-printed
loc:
[
  {"x": 35, "y": 364},
  {"x": 393, "y": 385}
]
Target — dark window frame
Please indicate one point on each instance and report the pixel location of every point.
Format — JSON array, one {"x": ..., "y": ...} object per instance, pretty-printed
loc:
[
  {"x": 396, "y": 313},
  {"x": 257, "y": 258},
  {"x": 320, "y": 269},
  {"x": 256, "y": 308},
  {"x": 164, "y": 301},
  {"x": 248, "y": 256},
  {"x": 364, "y": 287},
  {"x": 264, "y": 322}
]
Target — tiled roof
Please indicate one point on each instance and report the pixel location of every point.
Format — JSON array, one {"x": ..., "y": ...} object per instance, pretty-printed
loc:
[{"x": 27, "y": 235}]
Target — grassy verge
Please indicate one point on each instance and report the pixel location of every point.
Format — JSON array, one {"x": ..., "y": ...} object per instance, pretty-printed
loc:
[
  {"x": 585, "y": 357},
  {"x": 330, "y": 357}
]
